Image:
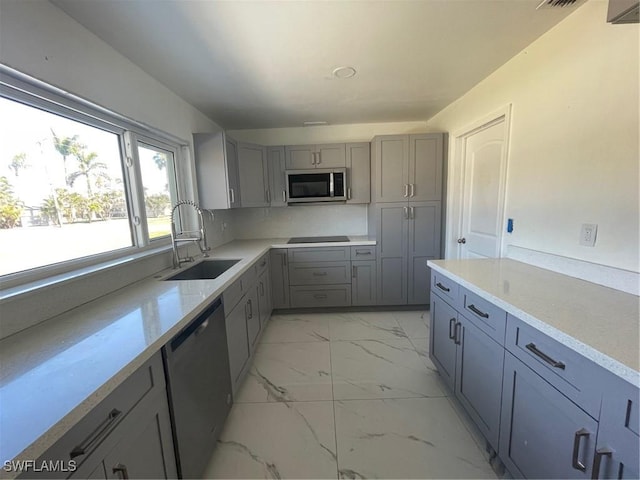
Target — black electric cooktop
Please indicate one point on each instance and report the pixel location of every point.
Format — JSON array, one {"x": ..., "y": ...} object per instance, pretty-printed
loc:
[{"x": 337, "y": 238}]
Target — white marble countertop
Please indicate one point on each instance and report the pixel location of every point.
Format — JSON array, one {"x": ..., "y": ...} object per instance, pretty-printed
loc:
[
  {"x": 53, "y": 374},
  {"x": 600, "y": 323}
]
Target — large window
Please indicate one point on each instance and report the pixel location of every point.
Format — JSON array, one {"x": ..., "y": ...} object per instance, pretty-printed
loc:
[{"x": 76, "y": 188}]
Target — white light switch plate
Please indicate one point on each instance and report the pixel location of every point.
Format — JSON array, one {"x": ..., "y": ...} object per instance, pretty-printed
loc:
[{"x": 588, "y": 234}]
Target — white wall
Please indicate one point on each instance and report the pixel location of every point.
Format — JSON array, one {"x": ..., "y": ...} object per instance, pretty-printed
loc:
[{"x": 574, "y": 154}]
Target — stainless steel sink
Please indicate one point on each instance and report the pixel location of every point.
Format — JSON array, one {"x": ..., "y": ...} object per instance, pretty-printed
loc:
[{"x": 206, "y": 269}]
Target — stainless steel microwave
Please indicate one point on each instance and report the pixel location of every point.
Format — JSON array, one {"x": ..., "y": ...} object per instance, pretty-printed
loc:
[{"x": 318, "y": 185}]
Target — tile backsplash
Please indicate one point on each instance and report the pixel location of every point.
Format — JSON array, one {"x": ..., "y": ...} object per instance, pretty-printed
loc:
[{"x": 293, "y": 221}]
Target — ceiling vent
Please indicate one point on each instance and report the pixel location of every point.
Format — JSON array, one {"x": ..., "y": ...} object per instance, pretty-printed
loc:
[{"x": 545, "y": 4}]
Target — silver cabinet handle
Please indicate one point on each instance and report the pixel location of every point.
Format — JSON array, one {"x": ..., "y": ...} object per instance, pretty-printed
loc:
[
  {"x": 284, "y": 196},
  {"x": 475, "y": 310},
  {"x": 319, "y": 274},
  {"x": 267, "y": 195},
  {"x": 318, "y": 158},
  {"x": 452, "y": 332},
  {"x": 232, "y": 194},
  {"x": 406, "y": 190},
  {"x": 320, "y": 296},
  {"x": 575, "y": 463},
  {"x": 597, "y": 460},
  {"x": 412, "y": 212},
  {"x": 121, "y": 470},
  {"x": 363, "y": 252},
  {"x": 457, "y": 340},
  {"x": 262, "y": 289},
  {"x": 539, "y": 353},
  {"x": 353, "y": 271},
  {"x": 413, "y": 189},
  {"x": 349, "y": 193},
  {"x": 83, "y": 447},
  {"x": 250, "y": 305},
  {"x": 406, "y": 212},
  {"x": 442, "y": 287}
]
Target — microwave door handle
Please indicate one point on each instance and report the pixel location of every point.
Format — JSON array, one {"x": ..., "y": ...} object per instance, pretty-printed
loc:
[{"x": 331, "y": 186}]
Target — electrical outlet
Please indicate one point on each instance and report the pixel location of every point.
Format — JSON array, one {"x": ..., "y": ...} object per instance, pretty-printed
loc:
[{"x": 588, "y": 234}]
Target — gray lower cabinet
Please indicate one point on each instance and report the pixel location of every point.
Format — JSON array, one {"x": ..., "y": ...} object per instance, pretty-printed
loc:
[
  {"x": 363, "y": 282},
  {"x": 318, "y": 296},
  {"x": 279, "y": 278},
  {"x": 252, "y": 317},
  {"x": 470, "y": 362},
  {"x": 127, "y": 435},
  {"x": 237, "y": 343},
  {"x": 408, "y": 235},
  {"x": 544, "y": 434}
]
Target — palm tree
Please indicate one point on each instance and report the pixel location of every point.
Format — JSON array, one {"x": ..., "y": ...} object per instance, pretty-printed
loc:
[
  {"x": 18, "y": 162},
  {"x": 87, "y": 166},
  {"x": 65, "y": 147}
]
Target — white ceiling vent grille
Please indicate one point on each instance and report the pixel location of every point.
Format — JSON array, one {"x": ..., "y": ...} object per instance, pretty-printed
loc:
[{"x": 546, "y": 4}]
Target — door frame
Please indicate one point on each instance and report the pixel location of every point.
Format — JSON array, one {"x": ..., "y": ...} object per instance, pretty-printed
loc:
[{"x": 455, "y": 190}]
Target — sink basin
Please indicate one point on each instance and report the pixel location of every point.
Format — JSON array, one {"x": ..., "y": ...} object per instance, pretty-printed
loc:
[{"x": 206, "y": 269}]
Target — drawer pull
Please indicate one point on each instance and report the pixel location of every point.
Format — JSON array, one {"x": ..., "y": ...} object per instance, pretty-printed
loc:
[
  {"x": 597, "y": 460},
  {"x": 452, "y": 332},
  {"x": 458, "y": 328},
  {"x": 555, "y": 364},
  {"x": 475, "y": 310},
  {"x": 320, "y": 296},
  {"x": 122, "y": 470},
  {"x": 354, "y": 273},
  {"x": 575, "y": 463},
  {"x": 363, "y": 252},
  {"x": 96, "y": 435},
  {"x": 263, "y": 263},
  {"x": 442, "y": 287},
  {"x": 319, "y": 274}
]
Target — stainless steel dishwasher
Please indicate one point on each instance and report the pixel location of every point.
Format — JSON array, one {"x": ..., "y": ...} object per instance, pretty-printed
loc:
[{"x": 199, "y": 386}]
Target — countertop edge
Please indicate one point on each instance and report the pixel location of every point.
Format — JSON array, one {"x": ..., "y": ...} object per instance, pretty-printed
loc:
[{"x": 601, "y": 359}]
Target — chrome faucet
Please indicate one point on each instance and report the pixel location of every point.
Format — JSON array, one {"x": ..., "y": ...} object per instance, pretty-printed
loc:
[{"x": 199, "y": 237}]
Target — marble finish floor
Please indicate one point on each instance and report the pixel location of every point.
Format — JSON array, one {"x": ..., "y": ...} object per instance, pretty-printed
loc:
[{"x": 346, "y": 395}]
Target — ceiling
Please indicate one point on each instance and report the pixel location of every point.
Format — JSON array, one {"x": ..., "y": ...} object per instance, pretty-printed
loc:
[{"x": 265, "y": 63}]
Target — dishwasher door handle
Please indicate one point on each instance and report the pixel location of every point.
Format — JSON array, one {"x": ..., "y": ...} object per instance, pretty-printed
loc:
[{"x": 197, "y": 326}]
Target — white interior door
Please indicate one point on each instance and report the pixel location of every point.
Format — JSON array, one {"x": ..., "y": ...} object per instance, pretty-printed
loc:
[{"x": 484, "y": 174}]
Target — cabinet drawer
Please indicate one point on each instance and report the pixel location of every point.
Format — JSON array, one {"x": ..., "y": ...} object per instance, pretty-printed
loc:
[
  {"x": 320, "y": 273},
  {"x": 231, "y": 296},
  {"x": 87, "y": 435},
  {"x": 572, "y": 374},
  {"x": 446, "y": 288},
  {"x": 321, "y": 296},
  {"x": 485, "y": 315},
  {"x": 262, "y": 264},
  {"x": 363, "y": 252},
  {"x": 328, "y": 254}
]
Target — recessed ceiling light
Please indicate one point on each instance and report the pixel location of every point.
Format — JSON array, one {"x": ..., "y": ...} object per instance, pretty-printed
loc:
[
  {"x": 315, "y": 123},
  {"x": 344, "y": 72}
]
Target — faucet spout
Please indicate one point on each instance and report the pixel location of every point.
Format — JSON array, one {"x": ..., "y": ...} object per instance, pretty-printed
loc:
[{"x": 183, "y": 236}]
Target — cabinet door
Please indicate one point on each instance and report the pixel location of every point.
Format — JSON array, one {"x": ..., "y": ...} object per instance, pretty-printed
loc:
[
  {"x": 363, "y": 282},
  {"x": 252, "y": 315},
  {"x": 543, "y": 434},
  {"x": 442, "y": 347},
  {"x": 264, "y": 298},
  {"x": 425, "y": 167},
  {"x": 391, "y": 231},
  {"x": 231, "y": 151},
  {"x": 146, "y": 448},
  {"x": 391, "y": 168},
  {"x": 279, "y": 278},
  {"x": 300, "y": 157},
  {"x": 358, "y": 173},
  {"x": 331, "y": 156},
  {"x": 424, "y": 244},
  {"x": 236, "y": 324},
  {"x": 277, "y": 182},
  {"x": 253, "y": 174},
  {"x": 479, "y": 366}
]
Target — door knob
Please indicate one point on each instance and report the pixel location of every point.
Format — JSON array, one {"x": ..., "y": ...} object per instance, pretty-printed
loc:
[{"x": 462, "y": 240}]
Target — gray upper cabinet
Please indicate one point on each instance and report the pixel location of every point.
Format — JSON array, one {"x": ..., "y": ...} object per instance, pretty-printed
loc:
[
  {"x": 301, "y": 157},
  {"x": 358, "y": 173},
  {"x": 216, "y": 159},
  {"x": 253, "y": 173},
  {"x": 277, "y": 182},
  {"x": 407, "y": 167}
]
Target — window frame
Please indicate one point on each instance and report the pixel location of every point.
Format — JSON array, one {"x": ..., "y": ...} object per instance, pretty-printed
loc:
[{"x": 20, "y": 88}]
